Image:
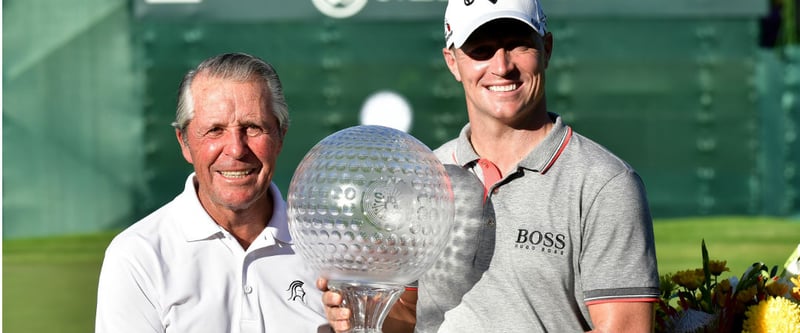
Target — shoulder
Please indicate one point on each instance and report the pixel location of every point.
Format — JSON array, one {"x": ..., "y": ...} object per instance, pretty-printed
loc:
[
  {"x": 145, "y": 235},
  {"x": 593, "y": 168},
  {"x": 587, "y": 153},
  {"x": 445, "y": 152}
]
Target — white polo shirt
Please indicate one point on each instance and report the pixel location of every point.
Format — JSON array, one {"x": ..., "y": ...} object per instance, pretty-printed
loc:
[{"x": 176, "y": 270}]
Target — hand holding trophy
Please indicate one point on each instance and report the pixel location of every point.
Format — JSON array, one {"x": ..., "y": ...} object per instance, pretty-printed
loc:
[{"x": 371, "y": 209}]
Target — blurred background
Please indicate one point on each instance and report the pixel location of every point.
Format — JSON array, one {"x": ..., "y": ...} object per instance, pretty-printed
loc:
[{"x": 701, "y": 97}]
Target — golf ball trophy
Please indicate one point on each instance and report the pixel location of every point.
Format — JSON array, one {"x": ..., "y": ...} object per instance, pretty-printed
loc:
[{"x": 371, "y": 209}]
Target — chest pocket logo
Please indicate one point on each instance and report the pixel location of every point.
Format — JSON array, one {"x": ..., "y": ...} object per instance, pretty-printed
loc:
[{"x": 296, "y": 291}]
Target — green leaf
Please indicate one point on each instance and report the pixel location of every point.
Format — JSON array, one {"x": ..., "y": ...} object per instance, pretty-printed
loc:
[
  {"x": 750, "y": 276},
  {"x": 706, "y": 291}
]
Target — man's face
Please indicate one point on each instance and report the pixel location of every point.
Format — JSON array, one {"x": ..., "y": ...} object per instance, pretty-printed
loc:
[
  {"x": 501, "y": 67},
  {"x": 233, "y": 142}
]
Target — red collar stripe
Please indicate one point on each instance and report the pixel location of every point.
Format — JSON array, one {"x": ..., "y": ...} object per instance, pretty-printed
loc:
[{"x": 561, "y": 147}]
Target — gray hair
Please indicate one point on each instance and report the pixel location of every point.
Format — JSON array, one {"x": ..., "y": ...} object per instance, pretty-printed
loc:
[{"x": 233, "y": 66}]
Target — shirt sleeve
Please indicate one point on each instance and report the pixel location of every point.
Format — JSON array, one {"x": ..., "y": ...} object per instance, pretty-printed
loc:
[
  {"x": 618, "y": 260},
  {"x": 125, "y": 294}
]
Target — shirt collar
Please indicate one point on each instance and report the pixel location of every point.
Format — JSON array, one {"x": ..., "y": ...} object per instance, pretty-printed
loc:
[
  {"x": 539, "y": 160},
  {"x": 196, "y": 224},
  {"x": 278, "y": 226}
]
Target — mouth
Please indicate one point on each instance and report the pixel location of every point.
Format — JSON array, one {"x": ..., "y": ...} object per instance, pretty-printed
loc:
[
  {"x": 503, "y": 88},
  {"x": 236, "y": 173}
]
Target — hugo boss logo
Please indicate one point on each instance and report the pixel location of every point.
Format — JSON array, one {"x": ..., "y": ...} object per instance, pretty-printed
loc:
[{"x": 536, "y": 240}]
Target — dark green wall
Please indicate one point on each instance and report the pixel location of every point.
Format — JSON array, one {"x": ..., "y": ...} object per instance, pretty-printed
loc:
[{"x": 680, "y": 90}]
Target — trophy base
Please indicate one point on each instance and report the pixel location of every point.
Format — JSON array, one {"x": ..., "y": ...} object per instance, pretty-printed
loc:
[{"x": 369, "y": 303}]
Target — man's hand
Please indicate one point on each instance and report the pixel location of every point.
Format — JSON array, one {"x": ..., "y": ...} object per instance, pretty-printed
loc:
[
  {"x": 338, "y": 316},
  {"x": 401, "y": 318}
]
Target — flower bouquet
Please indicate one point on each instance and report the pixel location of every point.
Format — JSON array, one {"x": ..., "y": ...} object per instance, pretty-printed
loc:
[{"x": 761, "y": 300}]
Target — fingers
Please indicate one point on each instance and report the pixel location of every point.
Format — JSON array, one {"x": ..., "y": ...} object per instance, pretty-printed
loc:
[
  {"x": 322, "y": 284},
  {"x": 331, "y": 299},
  {"x": 338, "y": 316}
]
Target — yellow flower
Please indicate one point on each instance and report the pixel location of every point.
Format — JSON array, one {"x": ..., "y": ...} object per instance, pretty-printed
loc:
[
  {"x": 776, "y": 287},
  {"x": 665, "y": 285},
  {"x": 724, "y": 286},
  {"x": 689, "y": 279},
  {"x": 722, "y": 291},
  {"x": 772, "y": 315},
  {"x": 716, "y": 267},
  {"x": 744, "y": 296}
]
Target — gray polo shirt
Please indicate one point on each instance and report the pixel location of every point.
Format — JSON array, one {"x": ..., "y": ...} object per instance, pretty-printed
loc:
[{"x": 569, "y": 228}]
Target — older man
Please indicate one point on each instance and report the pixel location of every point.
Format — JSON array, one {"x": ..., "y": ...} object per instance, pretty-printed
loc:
[{"x": 219, "y": 257}]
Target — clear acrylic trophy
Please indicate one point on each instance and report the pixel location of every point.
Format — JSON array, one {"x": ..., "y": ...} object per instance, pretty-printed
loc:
[{"x": 371, "y": 209}]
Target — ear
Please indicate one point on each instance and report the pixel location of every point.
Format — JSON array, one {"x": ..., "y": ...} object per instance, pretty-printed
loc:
[
  {"x": 450, "y": 59},
  {"x": 548, "y": 48},
  {"x": 283, "y": 137},
  {"x": 187, "y": 155}
]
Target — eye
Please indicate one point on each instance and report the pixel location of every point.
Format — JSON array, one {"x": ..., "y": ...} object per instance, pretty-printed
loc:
[
  {"x": 481, "y": 52},
  {"x": 254, "y": 130},
  {"x": 215, "y": 131},
  {"x": 520, "y": 45}
]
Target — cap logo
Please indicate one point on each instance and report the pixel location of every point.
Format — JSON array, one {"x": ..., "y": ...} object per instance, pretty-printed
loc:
[{"x": 469, "y": 2}]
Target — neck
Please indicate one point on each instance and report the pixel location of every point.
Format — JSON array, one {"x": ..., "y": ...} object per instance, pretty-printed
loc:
[
  {"x": 506, "y": 145},
  {"x": 245, "y": 224}
]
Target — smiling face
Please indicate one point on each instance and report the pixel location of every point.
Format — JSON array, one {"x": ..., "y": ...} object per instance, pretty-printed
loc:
[
  {"x": 232, "y": 141},
  {"x": 501, "y": 66}
]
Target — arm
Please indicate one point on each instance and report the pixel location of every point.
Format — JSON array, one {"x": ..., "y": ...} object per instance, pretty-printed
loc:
[
  {"x": 621, "y": 279},
  {"x": 123, "y": 300},
  {"x": 403, "y": 315},
  {"x": 622, "y": 317},
  {"x": 399, "y": 320}
]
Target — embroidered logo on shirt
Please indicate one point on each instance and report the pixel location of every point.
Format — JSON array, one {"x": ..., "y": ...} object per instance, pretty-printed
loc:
[
  {"x": 296, "y": 291},
  {"x": 545, "y": 242}
]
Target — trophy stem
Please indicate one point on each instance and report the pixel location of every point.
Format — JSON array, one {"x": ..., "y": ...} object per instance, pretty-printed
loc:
[{"x": 369, "y": 303}]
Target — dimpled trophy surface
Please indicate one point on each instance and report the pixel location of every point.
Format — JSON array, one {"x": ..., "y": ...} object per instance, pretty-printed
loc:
[{"x": 371, "y": 209}]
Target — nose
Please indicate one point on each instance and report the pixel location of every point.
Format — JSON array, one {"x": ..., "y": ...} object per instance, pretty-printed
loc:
[
  {"x": 501, "y": 63},
  {"x": 236, "y": 144}
]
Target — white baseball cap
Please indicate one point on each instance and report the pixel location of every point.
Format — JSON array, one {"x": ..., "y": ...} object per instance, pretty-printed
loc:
[{"x": 463, "y": 17}]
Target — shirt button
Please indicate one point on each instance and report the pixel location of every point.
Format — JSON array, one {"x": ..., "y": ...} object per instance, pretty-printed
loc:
[
  {"x": 490, "y": 222},
  {"x": 248, "y": 289}
]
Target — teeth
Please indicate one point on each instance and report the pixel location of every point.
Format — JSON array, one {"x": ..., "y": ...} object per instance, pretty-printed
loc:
[
  {"x": 235, "y": 174},
  {"x": 508, "y": 87}
]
